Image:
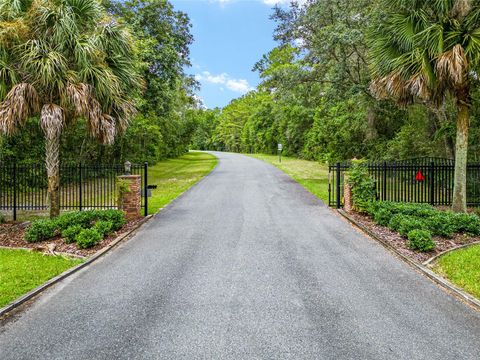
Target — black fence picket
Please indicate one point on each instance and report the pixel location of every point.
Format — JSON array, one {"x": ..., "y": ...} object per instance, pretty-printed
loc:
[
  {"x": 25, "y": 187},
  {"x": 422, "y": 180}
]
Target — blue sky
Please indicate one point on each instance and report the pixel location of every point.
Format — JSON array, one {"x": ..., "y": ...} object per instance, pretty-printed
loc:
[{"x": 230, "y": 37}]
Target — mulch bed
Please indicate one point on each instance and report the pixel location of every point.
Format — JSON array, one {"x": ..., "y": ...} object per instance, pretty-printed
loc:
[
  {"x": 11, "y": 236},
  {"x": 400, "y": 244}
]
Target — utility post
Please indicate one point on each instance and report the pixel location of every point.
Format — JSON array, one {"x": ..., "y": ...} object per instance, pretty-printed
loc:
[{"x": 280, "y": 149}]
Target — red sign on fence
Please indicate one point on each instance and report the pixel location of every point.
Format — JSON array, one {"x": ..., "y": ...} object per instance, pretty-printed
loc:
[{"x": 419, "y": 177}]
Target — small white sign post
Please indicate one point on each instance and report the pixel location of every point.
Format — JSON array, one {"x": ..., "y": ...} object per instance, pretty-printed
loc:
[{"x": 280, "y": 149}]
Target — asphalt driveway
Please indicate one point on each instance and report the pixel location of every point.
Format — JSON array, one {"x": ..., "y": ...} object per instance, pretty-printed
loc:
[{"x": 246, "y": 265}]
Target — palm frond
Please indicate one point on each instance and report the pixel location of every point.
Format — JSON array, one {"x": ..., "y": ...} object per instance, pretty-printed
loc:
[
  {"x": 461, "y": 8},
  {"x": 20, "y": 103},
  {"x": 106, "y": 130},
  {"x": 452, "y": 66}
]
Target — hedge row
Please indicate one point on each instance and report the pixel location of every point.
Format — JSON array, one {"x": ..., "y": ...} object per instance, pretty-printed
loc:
[
  {"x": 418, "y": 222},
  {"x": 85, "y": 228}
]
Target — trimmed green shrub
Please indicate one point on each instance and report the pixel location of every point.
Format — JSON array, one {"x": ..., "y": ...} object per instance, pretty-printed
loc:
[
  {"x": 70, "y": 233},
  {"x": 423, "y": 217},
  {"x": 375, "y": 206},
  {"x": 441, "y": 224},
  {"x": 87, "y": 218},
  {"x": 382, "y": 217},
  {"x": 2, "y": 219},
  {"x": 83, "y": 218},
  {"x": 40, "y": 230},
  {"x": 103, "y": 227},
  {"x": 420, "y": 210},
  {"x": 467, "y": 223},
  {"x": 411, "y": 223},
  {"x": 395, "y": 221},
  {"x": 116, "y": 217},
  {"x": 88, "y": 238},
  {"x": 420, "y": 240}
]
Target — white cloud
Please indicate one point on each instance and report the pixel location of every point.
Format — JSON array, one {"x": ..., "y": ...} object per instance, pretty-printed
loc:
[
  {"x": 266, "y": 2},
  {"x": 274, "y": 2},
  {"x": 240, "y": 86},
  {"x": 237, "y": 85}
]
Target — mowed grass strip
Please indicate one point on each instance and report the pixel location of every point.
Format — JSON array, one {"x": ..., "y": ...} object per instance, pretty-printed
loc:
[
  {"x": 462, "y": 267},
  {"x": 175, "y": 176},
  {"x": 22, "y": 271},
  {"x": 310, "y": 174}
]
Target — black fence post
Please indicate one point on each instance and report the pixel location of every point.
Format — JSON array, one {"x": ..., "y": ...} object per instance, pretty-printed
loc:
[
  {"x": 431, "y": 175},
  {"x": 80, "y": 186},
  {"x": 145, "y": 187},
  {"x": 329, "y": 185},
  {"x": 14, "y": 191},
  {"x": 384, "y": 179},
  {"x": 338, "y": 186}
]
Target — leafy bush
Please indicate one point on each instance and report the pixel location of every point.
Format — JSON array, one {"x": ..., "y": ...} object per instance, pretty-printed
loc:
[
  {"x": 70, "y": 233},
  {"x": 405, "y": 217},
  {"x": 363, "y": 187},
  {"x": 41, "y": 230},
  {"x": 411, "y": 223},
  {"x": 382, "y": 217},
  {"x": 72, "y": 225},
  {"x": 467, "y": 223},
  {"x": 420, "y": 210},
  {"x": 103, "y": 227},
  {"x": 395, "y": 221},
  {"x": 420, "y": 240},
  {"x": 441, "y": 224},
  {"x": 2, "y": 219},
  {"x": 88, "y": 238},
  {"x": 116, "y": 217},
  {"x": 83, "y": 218}
]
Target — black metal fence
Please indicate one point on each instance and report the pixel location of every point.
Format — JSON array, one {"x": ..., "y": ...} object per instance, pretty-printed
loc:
[
  {"x": 82, "y": 187},
  {"x": 423, "y": 180}
]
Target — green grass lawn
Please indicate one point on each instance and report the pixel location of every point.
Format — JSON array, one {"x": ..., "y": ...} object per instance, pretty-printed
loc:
[
  {"x": 175, "y": 176},
  {"x": 22, "y": 271},
  {"x": 311, "y": 174},
  {"x": 462, "y": 267}
]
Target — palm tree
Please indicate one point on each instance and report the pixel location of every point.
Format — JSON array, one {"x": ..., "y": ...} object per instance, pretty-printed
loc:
[
  {"x": 62, "y": 60},
  {"x": 428, "y": 50}
]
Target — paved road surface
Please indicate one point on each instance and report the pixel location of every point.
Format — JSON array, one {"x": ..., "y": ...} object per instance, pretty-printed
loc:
[{"x": 247, "y": 265}]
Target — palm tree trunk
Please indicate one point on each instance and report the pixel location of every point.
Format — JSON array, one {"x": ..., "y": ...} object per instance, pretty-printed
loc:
[
  {"x": 52, "y": 120},
  {"x": 53, "y": 173},
  {"x": 461, "y": 151}
]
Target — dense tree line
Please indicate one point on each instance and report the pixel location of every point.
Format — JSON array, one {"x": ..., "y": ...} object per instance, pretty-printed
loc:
[
  {"x": 160, "y": 38},
  {"x": 315, "y": 96}
]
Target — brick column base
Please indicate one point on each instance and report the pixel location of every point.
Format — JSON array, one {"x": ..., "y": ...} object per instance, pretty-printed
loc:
[
  {"x": 347, "y": 198},
  {"x": 130, "y": 201}
]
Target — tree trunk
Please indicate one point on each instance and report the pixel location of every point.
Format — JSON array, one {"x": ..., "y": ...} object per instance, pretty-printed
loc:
[
  {"x": 461, "y": 151},
  {"x": 53, "y": 173}
]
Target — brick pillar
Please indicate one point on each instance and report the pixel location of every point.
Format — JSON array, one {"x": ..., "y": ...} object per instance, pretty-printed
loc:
[
  {"x": 130, "y": 201},
  {"x": 347, "y": 197}
]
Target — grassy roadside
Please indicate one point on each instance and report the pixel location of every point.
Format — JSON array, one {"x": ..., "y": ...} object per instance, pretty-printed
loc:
[
  {"x": 310, "y": 174},
  {"x": 22, "y": 271},
  {"x": 462, "y": 267},
  {"x": 175, "y": 176}
]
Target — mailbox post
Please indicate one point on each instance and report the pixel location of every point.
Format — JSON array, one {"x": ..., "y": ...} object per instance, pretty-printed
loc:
[{"x": 280, "y": 149}]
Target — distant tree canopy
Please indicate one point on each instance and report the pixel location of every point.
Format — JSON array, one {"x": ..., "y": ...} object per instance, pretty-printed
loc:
[{"x": 315, "y": 96}]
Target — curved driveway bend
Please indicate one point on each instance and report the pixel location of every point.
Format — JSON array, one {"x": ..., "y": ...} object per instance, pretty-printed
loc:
[{"x": 246, "y": 265}]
